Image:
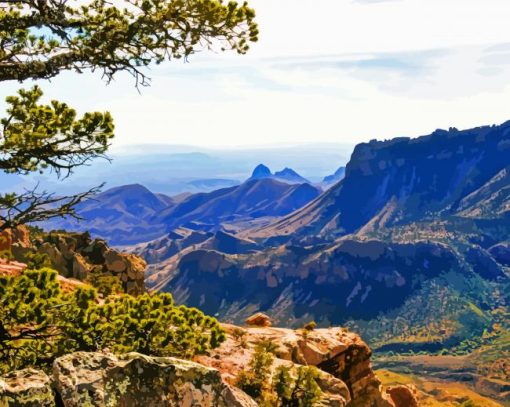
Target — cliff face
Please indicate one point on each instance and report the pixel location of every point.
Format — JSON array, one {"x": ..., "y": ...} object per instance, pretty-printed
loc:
[
  {"x": 407, "y": 179},
  {"x": 350, "y": 279}
]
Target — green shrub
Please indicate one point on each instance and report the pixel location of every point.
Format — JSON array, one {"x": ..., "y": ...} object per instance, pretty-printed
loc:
[
  {"x": 38, "y": 322},
  {"x": 282, "y": 389},
  {"x": 310, "y": 326},
  {"x": 255, "y": 381},
  {"x": 105, "y": 284}
]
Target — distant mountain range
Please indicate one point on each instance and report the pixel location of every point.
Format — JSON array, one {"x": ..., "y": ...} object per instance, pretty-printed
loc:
[
  {"x": 132, "y": 214},
  {"x": 287, "y": 175},
  {"x": 338, "y": 176},
  {"x": 418, "y": 229},
  {"x": 173, "y": 170}
]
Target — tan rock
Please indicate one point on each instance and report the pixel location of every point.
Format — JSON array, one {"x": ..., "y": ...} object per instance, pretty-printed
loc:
[
  {"x": 403, "y": 396},
  {"x": 27, "y": 388},
  {"x": 80, "y": 267},
  {"x": 258, "y": 319},
  {"x": 135, "y": 380},
  {"x": 11, "y": 268},
  {"x": 342, "y": 357},
  {"x": 57, "y": 260}
]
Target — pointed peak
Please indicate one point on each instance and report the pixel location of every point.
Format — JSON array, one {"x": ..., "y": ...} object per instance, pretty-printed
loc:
[{"x": 261, "y": 171}]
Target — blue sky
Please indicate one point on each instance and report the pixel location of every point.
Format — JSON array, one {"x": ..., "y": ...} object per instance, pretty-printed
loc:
[{"x": 324, "y": 71}]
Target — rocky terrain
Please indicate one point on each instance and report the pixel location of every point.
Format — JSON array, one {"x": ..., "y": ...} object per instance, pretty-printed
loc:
[
  {"x": 103, "y": 379},
  {"x": 406, "y": 215},
  {"x": 76, "y": 256}
]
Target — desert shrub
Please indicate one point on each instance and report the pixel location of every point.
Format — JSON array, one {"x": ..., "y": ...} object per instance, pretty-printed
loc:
[
  {"x": 240, "y": 336},
  {"x": 152, "y": 324},
  {"x": 105, "y": 284},
  {"x": 283, "y": 389},
  {"x": 310, "y": 326},
  {"x": 267, "y": 345},
  {"x": 39, "y": 322},
  {"x": 302, "y": 391},
  {"x": 36, "y": 261},
  {"x": 255, "y": 381}
]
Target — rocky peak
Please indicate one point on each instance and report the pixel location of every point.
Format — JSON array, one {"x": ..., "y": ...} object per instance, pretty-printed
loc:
[{"x": 261, "y": 171}]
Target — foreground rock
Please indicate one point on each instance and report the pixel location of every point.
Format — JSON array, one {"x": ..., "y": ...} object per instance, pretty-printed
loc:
[
  {"x": 101, "y": 379},
  {"x": 342, "y": 356},
  {"x": 26, "y": 388},
  {"x": 134, "y": 380}
]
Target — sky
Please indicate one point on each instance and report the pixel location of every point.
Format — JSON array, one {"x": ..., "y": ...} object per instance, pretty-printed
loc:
[{"x": 324, "y": 71}]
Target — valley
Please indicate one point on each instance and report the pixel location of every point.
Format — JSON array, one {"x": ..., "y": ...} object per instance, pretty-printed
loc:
[{"x": 409, "y": 248}]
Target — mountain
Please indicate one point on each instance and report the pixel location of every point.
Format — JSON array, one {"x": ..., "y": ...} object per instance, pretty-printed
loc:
[
  {"x": 253, "y": 199},
  {"x": 337, "y": 176},
  {"x": 120, "y": 215},
  {"x": 132, "y": 214},
  {"x": 261, "y": 171},
  {"x": 211, "y": 184},
  {"x": 287, "y": 175},
  {"x": 410, "y": 248},
  {"x": 406, "y": 179}
]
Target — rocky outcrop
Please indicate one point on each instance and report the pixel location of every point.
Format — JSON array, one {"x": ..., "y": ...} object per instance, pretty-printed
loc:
[
  {"x": 259, "y": 319},
  {"x": 138, "y": 380},
  {"x": 403, "y": 395},
  {"x": 76, "y": 255},
  {"x": 12, "y": 240},
  {"x": 98, "y": 379},
  {"x": 343, "y": 358},
  {"x": 134, "y": 380},
  {"x": 27, "y": 388}
]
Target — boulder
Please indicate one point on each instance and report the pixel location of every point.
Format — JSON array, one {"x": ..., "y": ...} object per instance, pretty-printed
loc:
[
  {"x": 259, "y": 319},
  {"x": 26, "y": 388},
  {"x": 403, "y": 396},
  {"x": 98, "y": 379}
]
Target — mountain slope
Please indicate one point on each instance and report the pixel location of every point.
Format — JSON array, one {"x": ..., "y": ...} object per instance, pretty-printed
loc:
[
  {"x": 410, "y": 249},
  {"x": 120, "y": 215},
  {"x": 337, "y": 176},
  {"x": 252, "y": 199},
  {"x": 408, "y": 179}
]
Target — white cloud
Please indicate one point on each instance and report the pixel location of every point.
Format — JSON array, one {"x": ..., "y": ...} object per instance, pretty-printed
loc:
[{"x": 324, "y": 71}]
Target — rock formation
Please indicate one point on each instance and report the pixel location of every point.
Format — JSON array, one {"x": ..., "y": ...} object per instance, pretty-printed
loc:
[
  {"x": 76, "y": 255},
  {"x": 97, "y": 379},
  {"x": 134, "y": 380},
  {"x": 342, "y": 357},
  {"x": 259, "y": 319}
]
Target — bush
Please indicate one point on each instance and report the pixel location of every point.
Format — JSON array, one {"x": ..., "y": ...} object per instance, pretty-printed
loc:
[
  {"x": 255, "y": 382},
  {"x": 38, "y": 322},
  {"x": 105, "y": 284},
  {"x": 310, "y": 326},
  {"x": 282, "y": 389},
  {"x": 303, "y": 391}
]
